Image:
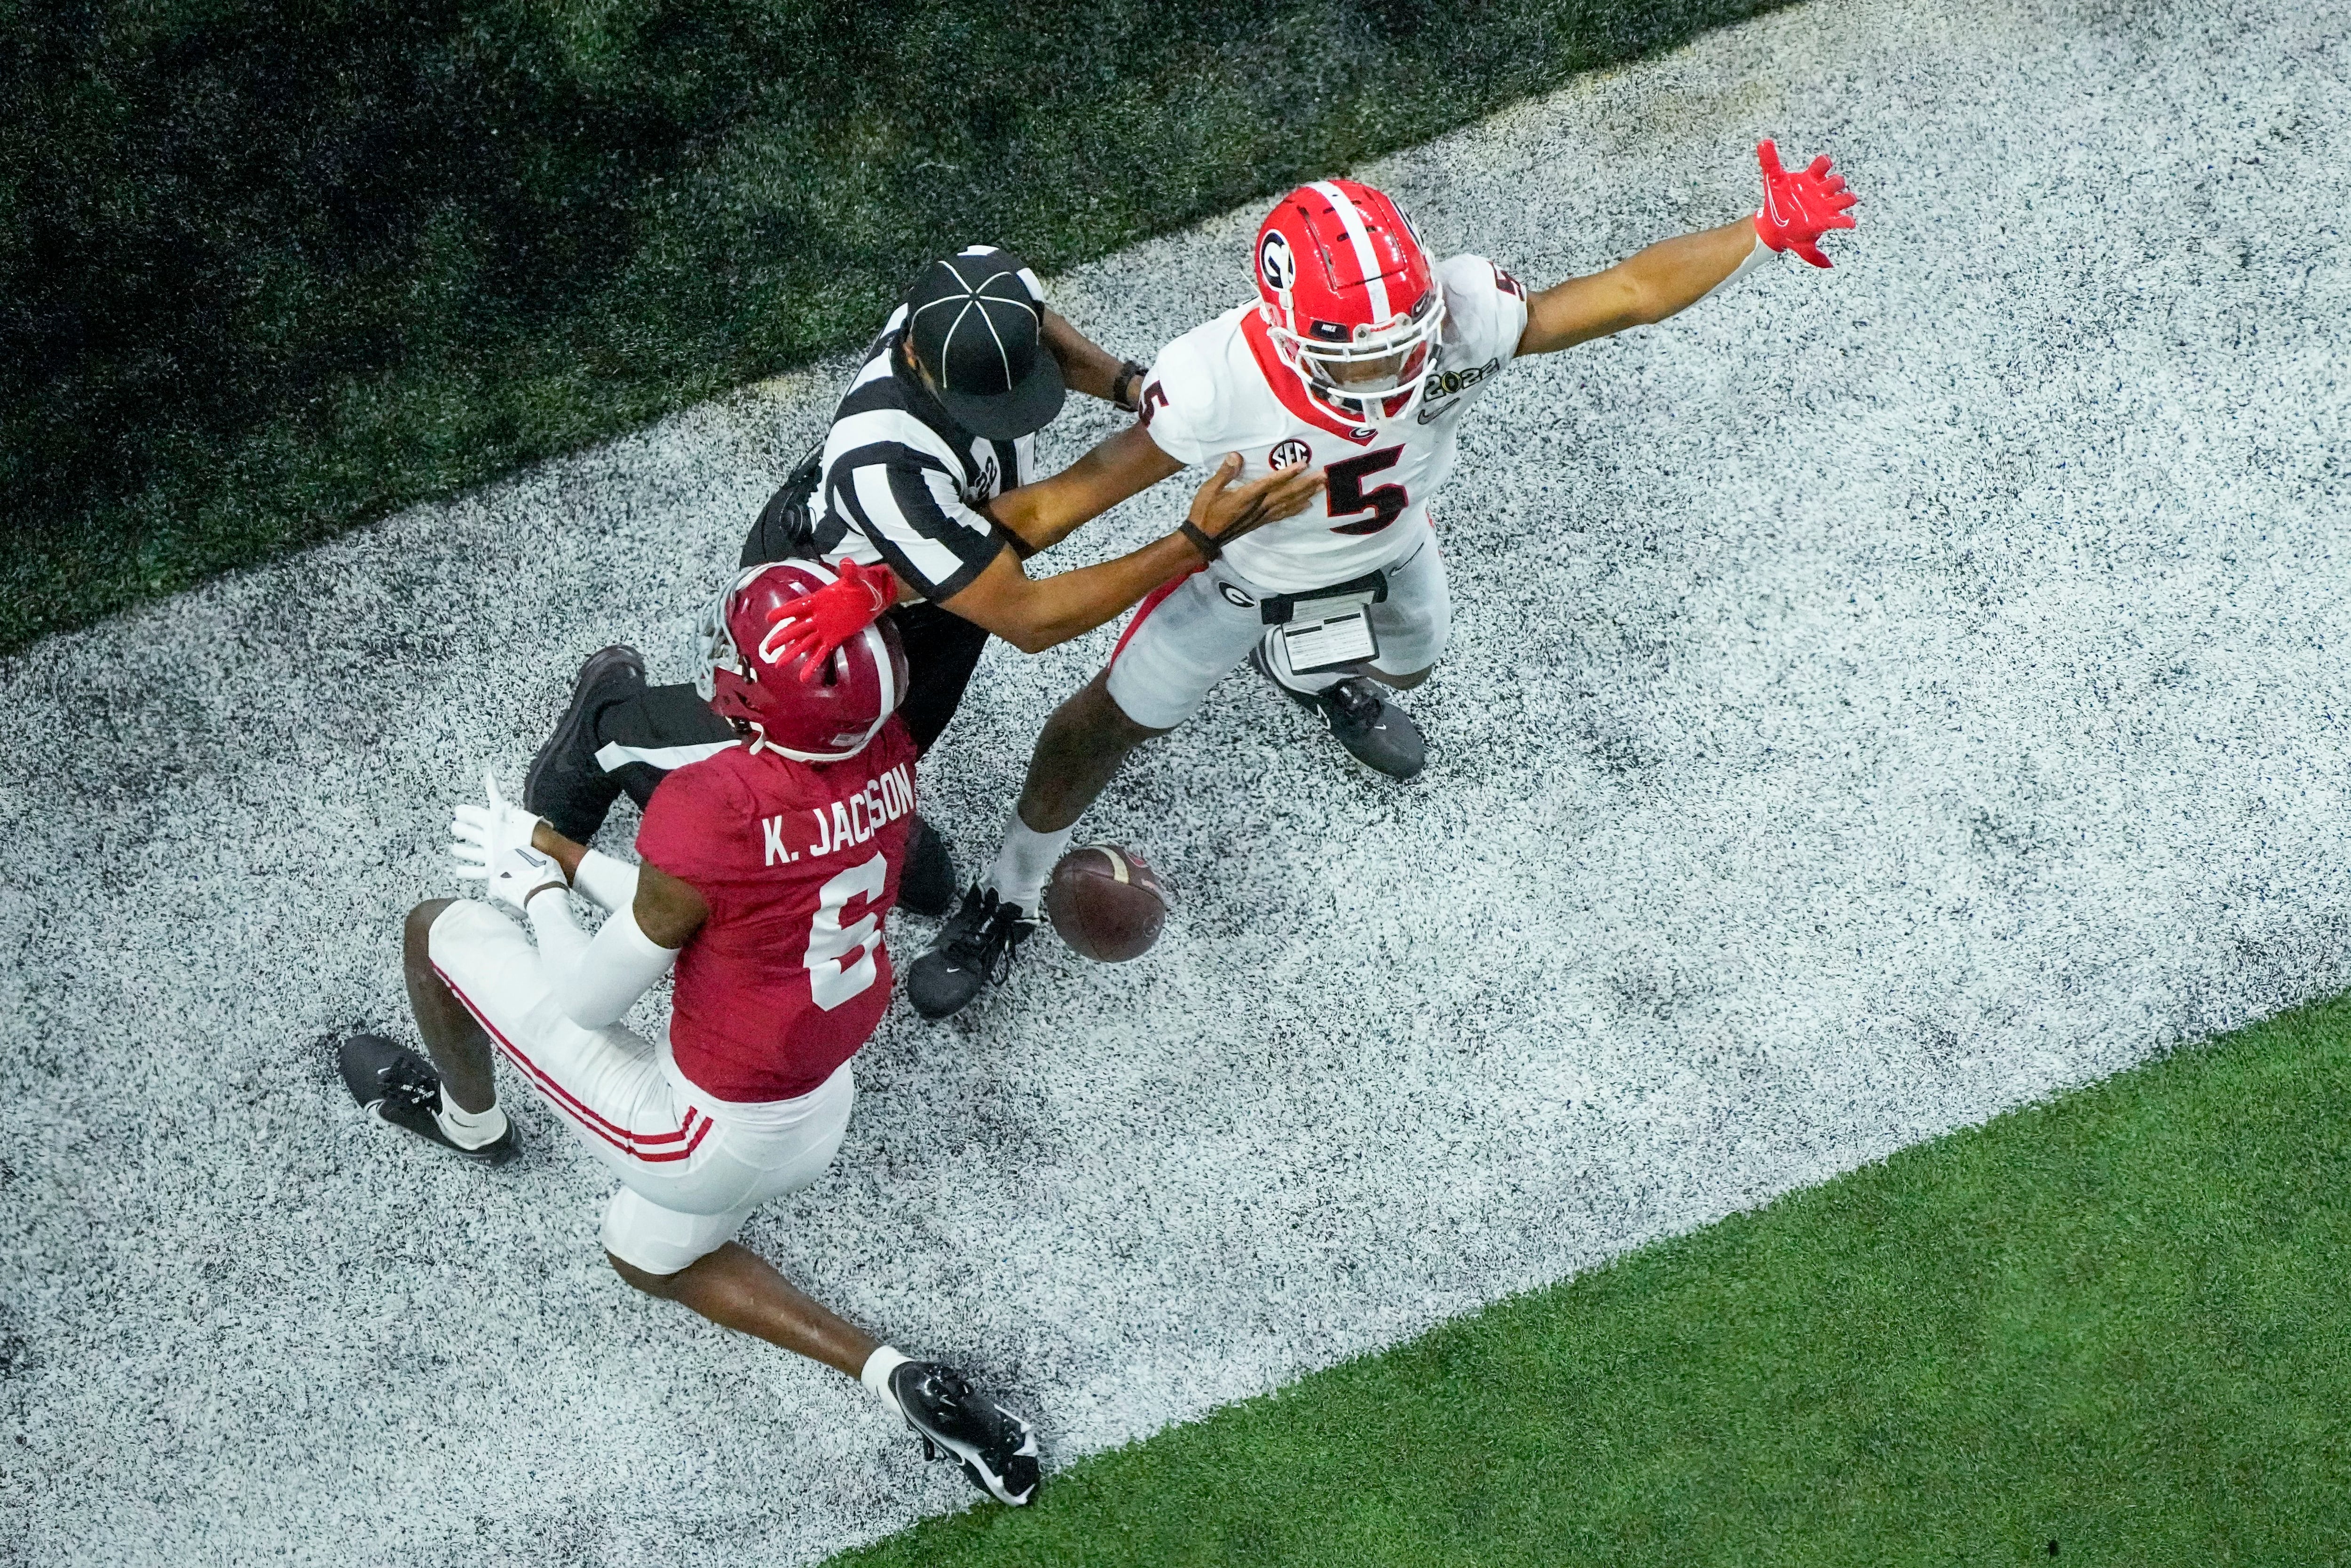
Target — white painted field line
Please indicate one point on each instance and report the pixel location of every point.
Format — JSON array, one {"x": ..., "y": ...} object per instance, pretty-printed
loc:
[{"x": 1879, "y": 699}]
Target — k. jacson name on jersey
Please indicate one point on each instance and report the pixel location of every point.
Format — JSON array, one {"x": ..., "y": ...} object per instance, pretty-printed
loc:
[{"x": 848, "y": 822}]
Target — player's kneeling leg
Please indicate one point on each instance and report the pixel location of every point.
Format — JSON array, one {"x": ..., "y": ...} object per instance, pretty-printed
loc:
[
  {"x": 451, "y": 1100},
  {"x": 694, "y": 1259}
]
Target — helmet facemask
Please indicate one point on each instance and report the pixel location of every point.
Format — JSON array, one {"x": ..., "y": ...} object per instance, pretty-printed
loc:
[{"x": 1363, "y": 375}]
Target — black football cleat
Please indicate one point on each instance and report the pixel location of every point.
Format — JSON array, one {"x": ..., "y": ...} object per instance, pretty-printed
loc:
[
  {"x": 927, "y": 886},
  {"x": 1376, "y": 732},
  {"x": 971, "y": 951},
  {"x": 394, "y": 1085},
  {"x": 566, "y": 784},
  {"x": 997, "y": 1448}
]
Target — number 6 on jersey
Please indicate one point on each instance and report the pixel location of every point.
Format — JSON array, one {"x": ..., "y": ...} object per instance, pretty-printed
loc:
[{"x": 830, "y": 981}]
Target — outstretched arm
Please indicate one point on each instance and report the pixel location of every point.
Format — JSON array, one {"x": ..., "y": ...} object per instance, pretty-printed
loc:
[
  {"x": 1639, "y": 291},
  {"x": 1035, "y": 615},
  {"x": 1798, "y": 208},
  {"x": 1043, "y": 514}
]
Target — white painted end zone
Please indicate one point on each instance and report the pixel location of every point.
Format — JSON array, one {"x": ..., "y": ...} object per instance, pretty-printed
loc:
[{"x": 1880, "y": 697}]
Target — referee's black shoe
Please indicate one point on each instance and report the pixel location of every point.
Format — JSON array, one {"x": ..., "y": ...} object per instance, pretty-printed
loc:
[
  {"x": 973, "y": 949},
  {"x": 997, "y": 1448},
  {"x": 1376, "y": 732},
  {"x": 566, "y": 784},
  {"x": 927, "y": 885},
  {"x": 392, "y": 1083}
]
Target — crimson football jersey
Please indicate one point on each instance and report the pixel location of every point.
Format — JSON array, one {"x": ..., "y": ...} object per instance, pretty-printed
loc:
[
  {"x": 1221, "y": 387},
  {"x": 799, "y": 862}
]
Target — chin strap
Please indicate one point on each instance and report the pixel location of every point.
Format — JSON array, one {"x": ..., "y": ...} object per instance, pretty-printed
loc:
[{"x": 1369, "y": 410}]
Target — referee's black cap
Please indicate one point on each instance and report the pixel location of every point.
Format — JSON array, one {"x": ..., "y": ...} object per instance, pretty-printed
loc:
[{"x": 975, "y": 318}]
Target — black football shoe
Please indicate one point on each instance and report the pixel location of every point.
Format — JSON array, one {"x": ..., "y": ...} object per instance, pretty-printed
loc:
[
  {"x": 1376, "y": 732},
  {"x": 566, "y": 784},
  {"x": 394, "y": 1085},
  {"x": 971, "y": 951},
  {"x": 927, "y": 886},
  {"x": 997, "y": 1448}
]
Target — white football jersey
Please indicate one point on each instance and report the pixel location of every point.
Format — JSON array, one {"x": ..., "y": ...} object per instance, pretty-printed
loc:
[{"x": 1221, "y": 387}]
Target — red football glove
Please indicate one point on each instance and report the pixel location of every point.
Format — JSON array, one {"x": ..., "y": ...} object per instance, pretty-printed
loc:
[
  {"x": 1801, "y": 207},
  {"x": 812, "y": 626}
]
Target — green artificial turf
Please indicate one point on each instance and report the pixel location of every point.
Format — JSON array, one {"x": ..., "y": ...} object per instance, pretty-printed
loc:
[
  {"x": 2117, "y": 1323},
  {"x": 269, "y": 269}
]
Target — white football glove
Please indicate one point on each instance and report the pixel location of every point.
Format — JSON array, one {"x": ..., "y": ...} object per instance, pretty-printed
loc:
[
  {"x": 484, "y": 834},
  {"x": 515, "y": 876}
]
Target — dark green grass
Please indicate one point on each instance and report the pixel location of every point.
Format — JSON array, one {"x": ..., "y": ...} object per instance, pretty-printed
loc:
[
  {"x": 2118, "y": 1322},
  {"x": 268, "y": 270}
]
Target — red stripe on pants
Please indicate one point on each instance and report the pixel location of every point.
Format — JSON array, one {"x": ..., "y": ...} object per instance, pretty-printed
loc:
[{"x": 627, "y": 1142}]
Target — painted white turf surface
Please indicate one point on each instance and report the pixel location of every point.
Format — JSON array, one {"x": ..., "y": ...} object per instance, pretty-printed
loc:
[{"x": 1879, "y": 697}]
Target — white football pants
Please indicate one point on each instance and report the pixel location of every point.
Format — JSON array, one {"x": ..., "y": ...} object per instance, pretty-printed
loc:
[
  {"x": 692, "y": 1169},
  {"x": 1187, "y": 634}
]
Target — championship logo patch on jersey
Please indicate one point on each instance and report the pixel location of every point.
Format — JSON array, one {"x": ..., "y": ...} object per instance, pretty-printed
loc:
[
  {"x": 1290, "y": 454},
  {"x": 1453, "y": 383}
]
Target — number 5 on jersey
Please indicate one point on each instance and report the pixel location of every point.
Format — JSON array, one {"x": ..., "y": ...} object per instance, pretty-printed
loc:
[{"x": 1348, "y": 497}]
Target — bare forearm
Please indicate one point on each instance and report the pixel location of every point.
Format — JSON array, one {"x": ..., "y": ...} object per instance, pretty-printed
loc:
[
  {"x": 1639, "y": 291},
  {"x": 1045, "y": 513},
  {"x": 562, "y": 850},
  {"x": 1675, "y": 273},
  {"x": 1042, "y": 515},
  {"x": 1086, "y": 366},
  {"x": 1039, "y": 520},
  {"x": 1057, "y": 609}
]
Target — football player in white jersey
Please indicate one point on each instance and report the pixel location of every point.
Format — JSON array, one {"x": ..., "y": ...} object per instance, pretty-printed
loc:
[{"x": 1360, "y": 356}]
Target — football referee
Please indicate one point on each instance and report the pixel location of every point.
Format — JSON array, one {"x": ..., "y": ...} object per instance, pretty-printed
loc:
[{"x": 939, "y": 421}]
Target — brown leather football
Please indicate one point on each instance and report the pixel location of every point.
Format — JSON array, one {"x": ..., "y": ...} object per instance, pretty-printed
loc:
[{"x": 1107, "y": 903}]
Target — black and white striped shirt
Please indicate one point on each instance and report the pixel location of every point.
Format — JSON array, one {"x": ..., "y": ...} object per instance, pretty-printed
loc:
[{"x": 901, "y": 478}]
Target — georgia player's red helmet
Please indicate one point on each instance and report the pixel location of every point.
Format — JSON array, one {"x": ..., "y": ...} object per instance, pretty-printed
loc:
[
  {"x": 1350, "y": 296},
  {"x": 746, "y": 675}
]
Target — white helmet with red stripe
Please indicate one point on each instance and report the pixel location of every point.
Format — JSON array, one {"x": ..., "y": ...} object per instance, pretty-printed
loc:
[
  {"x": 1350, "y": 298},
  {"x": 748, "y": 677}
]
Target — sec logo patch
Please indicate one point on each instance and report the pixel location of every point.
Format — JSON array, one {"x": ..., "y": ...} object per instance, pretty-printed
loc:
[{"x": 1290, "y": 454}]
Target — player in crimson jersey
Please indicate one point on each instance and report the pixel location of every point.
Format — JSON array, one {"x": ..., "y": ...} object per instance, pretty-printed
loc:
[
  {"x": 1361, "y": 355},
  {"x": 766, "y": 870}
]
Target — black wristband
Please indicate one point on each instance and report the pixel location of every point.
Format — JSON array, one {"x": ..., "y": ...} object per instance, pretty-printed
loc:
[
  {"x": 1209, "y": 549},
  {"x": 1126, "y": 390}
]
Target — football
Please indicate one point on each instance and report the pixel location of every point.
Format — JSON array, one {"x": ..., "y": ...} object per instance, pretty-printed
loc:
[{"x": 1106, "y": 903}]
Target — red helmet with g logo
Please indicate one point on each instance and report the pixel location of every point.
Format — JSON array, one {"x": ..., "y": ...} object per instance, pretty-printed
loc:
[
  {"x": 1350, "y": 296},
  {"x": 744, "y": 675}
]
